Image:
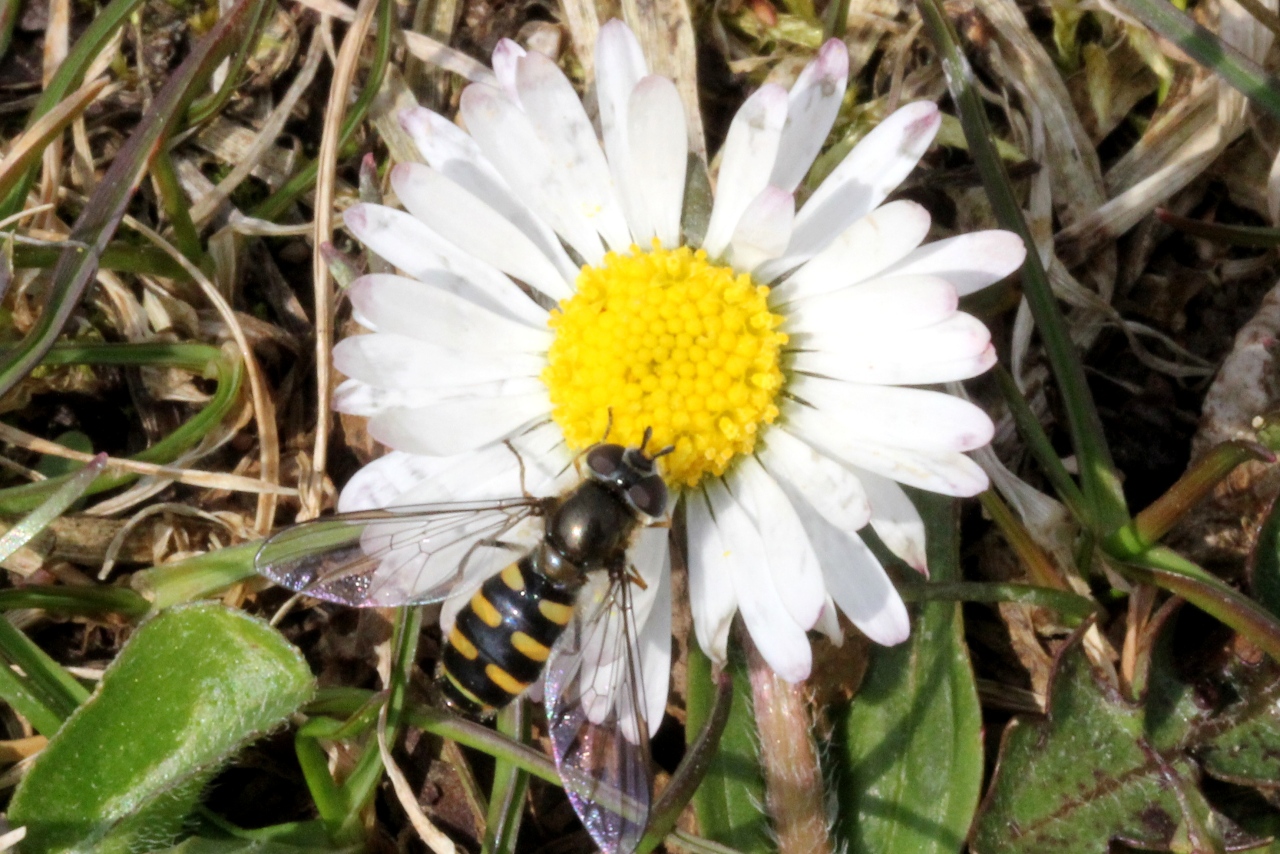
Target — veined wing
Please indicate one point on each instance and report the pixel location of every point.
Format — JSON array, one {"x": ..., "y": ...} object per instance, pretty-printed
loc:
[
  {"x": 595, "y": 712},
  {"x": 398, "y": 556}
]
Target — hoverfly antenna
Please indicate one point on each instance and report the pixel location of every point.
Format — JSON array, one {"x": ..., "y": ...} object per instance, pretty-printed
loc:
[
  {"x": 648, "y": 434},
  {"x": 667, "y": 450},
  {"x": 608, "y": 425}
]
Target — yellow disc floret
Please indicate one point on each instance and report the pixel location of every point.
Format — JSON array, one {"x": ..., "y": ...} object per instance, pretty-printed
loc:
[{"x": 669, "y": 341}]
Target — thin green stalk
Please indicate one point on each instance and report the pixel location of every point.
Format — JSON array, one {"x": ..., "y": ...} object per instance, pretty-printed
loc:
[
  {"x": 474, "y": 735},
  {"x": 699, "y": 845},
  {"x": 44, "y": 675},
  {"x": 119, "y": 256},
  {"x": 51, "y": 508},
  {"x": 510, "y": 784},
  {"x": 302, "y": 180},
  {"x": 24, "y": 699},
  {"x": 210, "y": 105},
  {"x": 1038, "y": 564},
  {"x": 1039, "y": 445},
  {"x": 209, "y": 361},
  {"x": 1100, "y": 481},
  {"x": 325, "y": 793},
  {"x": 1146, "y": 529},
  {"x": 1064, "y": 602},
  {"x": 9, "y": 11},
  {"x": 69, "y": 75},
  {"x": 1240, "y": 72},
  {"x": 1170, "y": 571},
  {"x": 196, "y": 577},
  {"x": 175, "y": 204},
  {"x": 836, "y": 19},
  {"x": 85, "y": 601},
  {"x": 1230, "y": 235},
  {"x": 692, "y": 769}
]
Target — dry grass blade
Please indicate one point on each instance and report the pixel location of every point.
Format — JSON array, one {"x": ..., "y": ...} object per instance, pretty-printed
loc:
[
  {"x": 312, "y": 484},
  {"x": 191, "y": 477},
  {"x": 263, "y": 408},
  {"x": 27, "y": 148},
  {"x": 78, "y": 264},
  {"x": 266, "y": 138}
]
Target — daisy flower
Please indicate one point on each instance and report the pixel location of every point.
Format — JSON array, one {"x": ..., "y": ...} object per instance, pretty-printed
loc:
[{"x": 553, "y": 291}]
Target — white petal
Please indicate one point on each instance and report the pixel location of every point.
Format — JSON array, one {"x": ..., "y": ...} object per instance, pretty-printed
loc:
[
  {"x": 711, "y": 594},
  {"x": 619, "y": 67},
  {"x": 359, "y": 398},
  {"x": 764, "y": 229},
  {"x": 449, "y": 150},
  {"x": 899, "y": 303},
  {"x": 386, "y": 360},
  {"x": 746, "y": 161},
  {"x": 958, "y": 347},
  {"x": 832, "y": 489},
  {"x": 791, "y": 560},
  {"x": 534, "y": 462},
  {"x": 407, "y": 307},
  {"x": 896, "y": 520},
  {"x": 457, "y": 425},
  {"x": 400, "y": 479},
  {"x": 945, "y": 472},
  {"x": 410, "y": 245},
  {"x": 507, "y": 137},
  {"x": 811, "y": 110},
  {"x": 829, "y": 623},
  {"x": 659, "y": 154},
  {"x": 970, "y": 261},
  {"x": 862, "y": 250},
  {"x": 653, "y": 560},
  {"x": 858, "y": 583},
  {"x": 782, "y": 643},
  {"x": 874, "y": 167},
  {"x": 560, "y": 120},
  {"x": 476, "y": 228},
  {"x": 505, "y": 57},
  {"x": 915, "y": 418}
]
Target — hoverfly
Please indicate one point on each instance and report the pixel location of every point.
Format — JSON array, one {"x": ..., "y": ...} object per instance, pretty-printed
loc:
[{"x": 564, "y": 606}]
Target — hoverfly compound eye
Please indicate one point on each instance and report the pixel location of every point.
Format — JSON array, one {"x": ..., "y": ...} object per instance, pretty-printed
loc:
[
  {"x": 649, "y": 496},
  {"x": 604, "y": 462}
]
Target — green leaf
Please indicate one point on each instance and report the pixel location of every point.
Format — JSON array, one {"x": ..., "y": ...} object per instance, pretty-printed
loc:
[
  {"x": 1094, "y": 770},
  {"x": 911, "y": 741},
  {"x": 728, "y": 803},
  {"x": 192, "y": 686},
  {"x": 251, "y": 846},
  {"x": 1265, "y": 575}
]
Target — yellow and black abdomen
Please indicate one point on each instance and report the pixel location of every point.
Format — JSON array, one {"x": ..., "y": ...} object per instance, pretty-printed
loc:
[{"x": 501, "y": 640}]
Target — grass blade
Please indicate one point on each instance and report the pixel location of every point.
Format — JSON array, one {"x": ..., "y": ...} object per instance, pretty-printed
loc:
[
  {"x": 1098, "y": 474},
  {"x": 97, "y": 224}
]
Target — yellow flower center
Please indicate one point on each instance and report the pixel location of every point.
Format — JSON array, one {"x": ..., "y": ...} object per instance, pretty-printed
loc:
[{"x": 666, "y": 340}]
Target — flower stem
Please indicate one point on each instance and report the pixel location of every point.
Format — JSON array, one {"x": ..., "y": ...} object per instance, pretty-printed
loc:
[{"x": 794, "y": 793}]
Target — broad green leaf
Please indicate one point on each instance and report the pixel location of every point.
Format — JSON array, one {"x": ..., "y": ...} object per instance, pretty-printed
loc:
[
  {"x": 728, "y": 803},
  {"x": 910, "y": 751},
  {"x": 189, "y": 689},
  {"x": 1089, "y": 773}
]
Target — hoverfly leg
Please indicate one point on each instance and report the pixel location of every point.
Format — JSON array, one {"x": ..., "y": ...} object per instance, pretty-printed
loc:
[
  {"x": 519, "y": 461},
  {"x": 633, "y": 575}
]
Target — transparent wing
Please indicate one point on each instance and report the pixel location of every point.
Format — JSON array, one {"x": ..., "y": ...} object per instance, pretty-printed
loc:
[
  {"x": 595, "y": 713},
  {"x": 399, "y": 556}
]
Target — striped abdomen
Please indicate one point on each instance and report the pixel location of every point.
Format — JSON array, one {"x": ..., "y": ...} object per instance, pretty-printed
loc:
[{"x": 501, "y": 639}]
